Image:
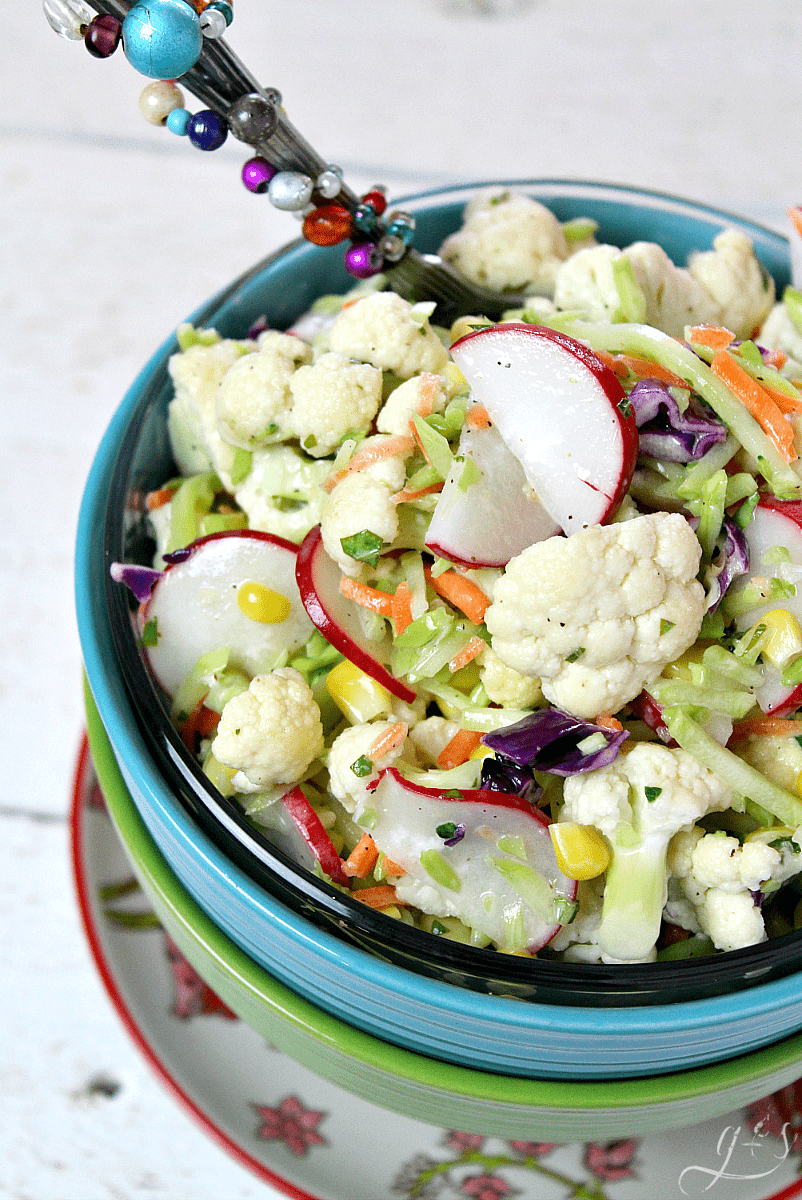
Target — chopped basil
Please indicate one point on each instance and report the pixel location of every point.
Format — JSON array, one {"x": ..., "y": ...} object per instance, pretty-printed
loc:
[
  {"x": 364, "y": 546},
  {"x": 575, "y": 654},
  {"x": 446, "y": 830},
  {"x": 652, "y": 793},
  {"x": 625, "y": 407},
  {"x": 666, "y": 626},
  {"x": 362, "y": 767}
]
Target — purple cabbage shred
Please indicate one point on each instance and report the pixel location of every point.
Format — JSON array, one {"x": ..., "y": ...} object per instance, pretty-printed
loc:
[
  {"x": 178, "y": 556},
  {"x": 502, "y": 774},
  {"x": 730, "y": 561},
  {"x": 668, "y": 434},
  {"x": 548, "y": 741},
  {"x": 139, "y": 580}
]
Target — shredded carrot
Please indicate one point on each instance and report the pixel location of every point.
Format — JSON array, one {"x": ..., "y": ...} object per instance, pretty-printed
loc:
[
  {"x": 389, "y": 448},
  {"x": 388, "y": 741},
  {"x": 757, "y": 401},
  {"x": 463, "y": 593},
  {"x": 428, "y": 387},
  {"x": 415, "y": 493},
  {"x": 417, "y": 439},
  {"x": 201, "y": 723},
  {"x": 468, "y": 652},
  {"x": 361, "y": 860},
  {"x": 478, "y": 417},
  {"x": 775, "y": 358},
  {"x": 796, "y": 219},
  {"x": 767, "y": 727},
  {"x": 348, "y": 303},
  {"x": 402, "y": 607},
  {"x": 716, "y": 337},
  {"x": 159, "y": 497},
  {"x": 608, "y": 721},
  {"x": 607, "y": 358},
  {"x": 785, "y": 403},
  {"x": 381, "y": 896},
  {"x": 644, "y": 368},
  {"x": 392, "y": 868},
  {"x": 459, "y": 749},
  {"x": 367, "y": 597}
]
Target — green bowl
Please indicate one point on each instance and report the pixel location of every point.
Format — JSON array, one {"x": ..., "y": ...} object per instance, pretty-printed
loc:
[{"x": 412, "y": 1084}]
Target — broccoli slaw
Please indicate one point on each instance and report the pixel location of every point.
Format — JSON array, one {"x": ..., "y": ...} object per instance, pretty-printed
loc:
[{"x": 382, "y": 633}]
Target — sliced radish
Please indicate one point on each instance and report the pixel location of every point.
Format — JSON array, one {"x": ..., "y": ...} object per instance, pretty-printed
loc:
[
  {"x": 491, "y": 864},
  {"x": 337, "y": 617},
  {"x": 774, "y": 523},
  {"x": 311, "y": 829},
  {"x": 486, "y": 523},
  {"x": 561, "y": 412},
  {"x": 197, "y": 605}
]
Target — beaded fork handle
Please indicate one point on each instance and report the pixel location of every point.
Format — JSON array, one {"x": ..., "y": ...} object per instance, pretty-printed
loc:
[{"x": 170, "y": 40}]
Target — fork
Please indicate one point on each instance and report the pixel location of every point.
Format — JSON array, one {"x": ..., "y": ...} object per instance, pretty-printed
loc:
[{"x": 221, "y": 81}]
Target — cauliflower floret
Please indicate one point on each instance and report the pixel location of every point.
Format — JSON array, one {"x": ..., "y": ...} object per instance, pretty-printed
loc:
[
  {"x": 357, "y": 503},
  {"x": 254, "y": 398},
  {"x": 282, "y": 492},
  {"x": 332, "y": 398},
  {"x": 391, "y": 469},
  {"x": 346, "y": 749},
  {"x": 672, "y": 298},
  {"x": 408, "y": 399},
  {"x": 271, "y": 733},
  {"x": 506, "y": 686},
  {"x": 732, "y": 274},
  {"x": 731, "y": 920},
  {"x": 598, "y": 615},
  {"x": 640, "y": 802},
  {"x": 192, "y": 413},
  {"x": 507, "y": 241},
  {"x": 383, "y": 330},
  {"x": 431, "y": 736},
  {"x": 722, "y": 862}
]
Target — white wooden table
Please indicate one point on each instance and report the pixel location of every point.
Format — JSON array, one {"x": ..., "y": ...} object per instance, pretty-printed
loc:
[{"x": 112, "y": 231}]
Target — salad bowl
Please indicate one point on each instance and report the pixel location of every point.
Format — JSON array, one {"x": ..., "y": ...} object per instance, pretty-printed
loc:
[{"x": 528, "y": 1018}]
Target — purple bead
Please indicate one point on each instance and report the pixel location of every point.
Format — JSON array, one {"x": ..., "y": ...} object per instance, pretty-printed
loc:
[
  {"x": 257, "y": 173},
  {"x": 102, "y": 36},
  {"x": 207, "y": 130},
  {"x": 363, "y": 260}
]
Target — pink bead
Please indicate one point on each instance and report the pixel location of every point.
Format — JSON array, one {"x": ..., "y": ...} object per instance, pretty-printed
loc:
[
  {"x": 257, "y": 173},
  {"x": 363, "y": 260}
]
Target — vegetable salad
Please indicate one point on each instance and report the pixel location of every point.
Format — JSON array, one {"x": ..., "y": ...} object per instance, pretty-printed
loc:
[{"x": 497, "y": 626}]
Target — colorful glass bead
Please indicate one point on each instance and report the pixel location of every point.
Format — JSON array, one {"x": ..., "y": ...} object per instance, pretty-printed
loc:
[
  {"x": 177, "y": 121},
  {"x": 402, "y": 225},
  {"x": 365, "y": 219},
  {"x": 329, "y": 182},
  {"x": 289, "y": 190},
  {"x": 158, "y": 99},
  {"x": 68, "y": 18},
  {"x": 257, "y": 173},
  {"x": 363, "y": 259},
  {"x": 102, "y": 36},
  {"x": 207, "y": 130},
  {"x": 327, "y": 225},
  {"x": 252, "y": 118},
  {"x": 162, "y": 38},
  {"x": 376, "y": 199},
  {"x": 212, "y": 23},
  {"x": 392, "y": 247},
  {"x": 221, "y": 6}
]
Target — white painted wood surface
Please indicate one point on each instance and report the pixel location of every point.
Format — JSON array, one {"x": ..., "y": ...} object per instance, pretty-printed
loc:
[{"x": 112, "y": 231}]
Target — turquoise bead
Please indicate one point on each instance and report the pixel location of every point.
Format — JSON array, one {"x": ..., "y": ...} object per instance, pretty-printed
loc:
[
  {"x": 177, "y": 121},
  {"x": 162, "y": 38}
]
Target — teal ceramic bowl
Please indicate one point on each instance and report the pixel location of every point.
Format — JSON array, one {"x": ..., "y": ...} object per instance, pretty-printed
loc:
[
  {"x": 443, "y": 1094},
  {"x": 459, "y": 1005}
]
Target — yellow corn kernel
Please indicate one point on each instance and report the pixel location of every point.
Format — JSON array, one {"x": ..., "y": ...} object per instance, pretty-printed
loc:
[
  {"x": 261, "y": 603},
  {"x": 358, "y": 697},
  {"x": 465, "y": 325},
  {"x": 782, "y": 640},
  {"x": 481, "y": 752},
  {"x": 580, "y": 850}
]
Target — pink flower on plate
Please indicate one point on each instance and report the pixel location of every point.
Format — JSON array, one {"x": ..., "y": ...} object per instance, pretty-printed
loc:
[
  {"x": 487, "y": 1187},
  {"x": 533, "y": 1149},
  {"x": 463, "y": 1141},
  {"x": 192, "y": 997},
  {"x": 611, "y": 1161},
  {"x": 781, "y": 1111},
  {"x": 291, "y": 1124}
]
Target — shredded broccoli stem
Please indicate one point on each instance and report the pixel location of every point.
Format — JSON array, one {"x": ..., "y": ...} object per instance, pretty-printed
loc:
[
  {"x": 732, "y": 770},
  {"x": 634, "y": 895}
]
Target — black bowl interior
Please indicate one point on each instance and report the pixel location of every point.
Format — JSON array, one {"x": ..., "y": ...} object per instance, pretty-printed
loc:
[{"x": 280, "y": 288}]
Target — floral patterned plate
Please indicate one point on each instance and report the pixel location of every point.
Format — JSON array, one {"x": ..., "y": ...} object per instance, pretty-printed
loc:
[{"x": 296, "y": 1131}]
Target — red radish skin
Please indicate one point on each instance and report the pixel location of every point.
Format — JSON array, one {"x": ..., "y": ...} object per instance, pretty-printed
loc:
[
  {"x": 314, "y": 834},
  {"x": 336, "y": 617},
  {"x": 561, "y": 411}
]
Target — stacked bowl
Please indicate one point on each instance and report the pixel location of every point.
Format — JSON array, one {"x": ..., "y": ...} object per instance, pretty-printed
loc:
[{"x": 456, "y": 1035}]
